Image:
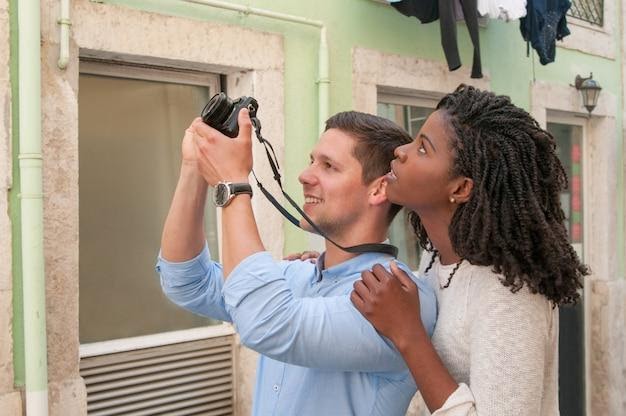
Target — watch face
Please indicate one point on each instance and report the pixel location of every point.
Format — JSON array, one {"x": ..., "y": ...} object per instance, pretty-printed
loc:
[{"x": 221, "y": 194}]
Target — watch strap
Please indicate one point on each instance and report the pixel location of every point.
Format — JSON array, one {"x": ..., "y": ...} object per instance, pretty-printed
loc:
[{"x": 240, "y": 188}]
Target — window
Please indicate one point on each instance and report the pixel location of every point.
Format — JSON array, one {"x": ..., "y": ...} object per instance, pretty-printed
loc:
[
  {"x": 591, "y": 11},
  {"x": 410, "y": 113},
  {"x": 131, "y": 121},
  {"x": 569, "y": 149},
  {"x": 569, "y": 138}
]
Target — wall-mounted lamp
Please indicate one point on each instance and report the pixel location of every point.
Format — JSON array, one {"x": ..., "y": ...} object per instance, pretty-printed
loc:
[{"x": 589, "y": 89}]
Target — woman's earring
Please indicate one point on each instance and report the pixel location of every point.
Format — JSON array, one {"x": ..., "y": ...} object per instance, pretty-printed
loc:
[{"x": 452, "y": 200}]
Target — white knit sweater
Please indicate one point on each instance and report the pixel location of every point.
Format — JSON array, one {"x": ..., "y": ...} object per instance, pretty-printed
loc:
[{"x": 501, "y": 347}]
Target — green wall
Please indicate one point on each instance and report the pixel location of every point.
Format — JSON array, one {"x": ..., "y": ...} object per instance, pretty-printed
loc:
[
  {"x": 15, "y": 211},
  {"x": 370, "y": 24}
]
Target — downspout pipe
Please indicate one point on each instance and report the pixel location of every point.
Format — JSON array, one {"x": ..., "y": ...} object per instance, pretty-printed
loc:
[
  {"x": 31, "y": 202},
  {"x": 323, "y": 83},
  {"x": 64, "y": 34}
]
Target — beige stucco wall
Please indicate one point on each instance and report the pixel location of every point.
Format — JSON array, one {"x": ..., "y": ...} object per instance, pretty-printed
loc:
[
  {"x": 373, "y": 71},
  {"x": 607, "y": 354},
  {"x": 60, "y": 171},
  {"x": 10, "y": 400},
  {"x": 131, "y": 36}
]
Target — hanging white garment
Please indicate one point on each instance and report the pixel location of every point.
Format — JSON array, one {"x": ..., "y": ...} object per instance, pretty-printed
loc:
[{"x": 502, "y": 9}]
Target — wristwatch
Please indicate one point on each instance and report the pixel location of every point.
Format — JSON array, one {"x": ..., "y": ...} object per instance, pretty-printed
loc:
[{"x": 226, "y": 191}]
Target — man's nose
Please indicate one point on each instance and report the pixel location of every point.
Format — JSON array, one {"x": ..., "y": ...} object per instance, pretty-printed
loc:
[{"x": 307, "y": 177}]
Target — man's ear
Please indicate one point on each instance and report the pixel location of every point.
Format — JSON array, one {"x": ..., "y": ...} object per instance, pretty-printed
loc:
[
  {"x": 462, "y": 190},
  {"x": 377, "y": 191}
]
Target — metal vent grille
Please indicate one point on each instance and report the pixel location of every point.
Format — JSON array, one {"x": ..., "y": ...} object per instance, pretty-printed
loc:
[{"x": 190, "y": 378}]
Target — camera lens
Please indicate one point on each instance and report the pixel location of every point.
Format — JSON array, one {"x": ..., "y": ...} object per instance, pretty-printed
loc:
[{"x": 217, "y": 110}]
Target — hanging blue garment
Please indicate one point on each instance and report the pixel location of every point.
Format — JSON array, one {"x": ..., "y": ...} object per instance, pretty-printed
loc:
[{"x": 544, "y": 24}]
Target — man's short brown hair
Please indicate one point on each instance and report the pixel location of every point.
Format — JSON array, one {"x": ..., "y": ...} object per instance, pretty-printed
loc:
[{"x": 376, "y": 139}]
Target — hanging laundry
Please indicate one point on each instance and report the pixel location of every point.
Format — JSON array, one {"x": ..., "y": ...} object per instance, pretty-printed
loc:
[
  {"x": 544, "y": 24},
  {"x": 502, "y": 9},
  {"x": 427, "y": 11},
  {"x": 447, "y": 24},
  {"x": 458, "y": 10}
]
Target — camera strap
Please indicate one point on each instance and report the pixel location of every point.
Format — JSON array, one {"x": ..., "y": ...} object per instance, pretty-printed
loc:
[{"x": 271, "y": 156}]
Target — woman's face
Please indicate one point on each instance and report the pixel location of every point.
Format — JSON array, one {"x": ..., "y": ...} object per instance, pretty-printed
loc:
[{"x": 420, "y": 177}]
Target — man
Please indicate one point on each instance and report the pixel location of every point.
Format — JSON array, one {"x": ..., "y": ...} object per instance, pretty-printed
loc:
[{"x": 319, "y": 355}]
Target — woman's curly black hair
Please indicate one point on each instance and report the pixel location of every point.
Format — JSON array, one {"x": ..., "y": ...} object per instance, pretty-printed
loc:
[{"x": 513, "y": 220}]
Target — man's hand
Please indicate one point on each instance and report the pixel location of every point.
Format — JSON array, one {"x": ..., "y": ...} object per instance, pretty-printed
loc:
[
  {"x": 189, "y": 148},
  {"x": 220, "y": 158}
]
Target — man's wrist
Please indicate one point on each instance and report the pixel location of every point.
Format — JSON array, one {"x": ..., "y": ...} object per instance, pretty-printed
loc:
[
  {"x": 189, "y": 169},
  {"x": 190, "y": 175},
  {"x": 237, "y": 200},
  {"x": 225, "y": 192},
  {"x": 238, "y": 178}
]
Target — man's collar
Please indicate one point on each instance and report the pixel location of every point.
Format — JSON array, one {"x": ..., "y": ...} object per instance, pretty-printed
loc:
[{"x": 354, "y": 265}]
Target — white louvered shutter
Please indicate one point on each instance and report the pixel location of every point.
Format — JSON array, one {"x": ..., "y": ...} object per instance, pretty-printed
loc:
[{"x": 188, "y": 378}]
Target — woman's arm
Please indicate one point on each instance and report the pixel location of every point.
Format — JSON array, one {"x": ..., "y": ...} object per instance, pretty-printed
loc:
[
  {"x": 390, "y": 301},
  {"x": 513, "y": 338}
]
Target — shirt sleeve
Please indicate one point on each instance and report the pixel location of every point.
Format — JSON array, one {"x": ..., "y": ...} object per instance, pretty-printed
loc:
[
  {"x": 195, "y": 285},
  {"x": 317, "y": 332},
  {"x": 511, "y": 339}
]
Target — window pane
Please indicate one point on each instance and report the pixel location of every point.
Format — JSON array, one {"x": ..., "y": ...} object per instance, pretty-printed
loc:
[
  {"x": 129, "y": 159},
  {"x": 401, "y": 234},
  {"x": 569, "y": 149}
]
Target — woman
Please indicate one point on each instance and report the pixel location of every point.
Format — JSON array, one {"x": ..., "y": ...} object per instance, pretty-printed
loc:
[{"x": 482, "y": 182}]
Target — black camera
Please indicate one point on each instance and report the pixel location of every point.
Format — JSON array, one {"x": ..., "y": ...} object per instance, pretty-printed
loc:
[{"x": 221, "y": 113}]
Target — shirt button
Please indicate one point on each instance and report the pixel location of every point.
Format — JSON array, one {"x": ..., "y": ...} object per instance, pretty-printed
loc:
[{"x": 276, "y": 388}]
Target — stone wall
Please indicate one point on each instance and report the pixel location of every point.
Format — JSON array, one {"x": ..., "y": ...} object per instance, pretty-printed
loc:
[{"x": 607, "y": 355}]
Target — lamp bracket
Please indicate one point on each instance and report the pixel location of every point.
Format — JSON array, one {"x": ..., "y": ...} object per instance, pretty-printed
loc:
[{"x": 578, "y": 82}]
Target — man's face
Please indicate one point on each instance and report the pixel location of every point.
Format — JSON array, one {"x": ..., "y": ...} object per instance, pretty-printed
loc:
[{"x": 335, "y": 197}]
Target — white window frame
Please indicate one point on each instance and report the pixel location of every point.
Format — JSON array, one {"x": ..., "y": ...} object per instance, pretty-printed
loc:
[
  {"x": 417, "y": 100},
  {"x": 121, "y": 69},
  {"x": 129, "y": 70},
  {"x": 94, "y": 349}
]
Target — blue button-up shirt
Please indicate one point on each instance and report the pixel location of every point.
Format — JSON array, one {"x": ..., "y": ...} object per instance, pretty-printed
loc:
[{"x": 320, "y": 356}]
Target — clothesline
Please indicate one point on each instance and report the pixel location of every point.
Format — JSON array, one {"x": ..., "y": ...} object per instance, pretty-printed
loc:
[{"x": 542, "y": 23}]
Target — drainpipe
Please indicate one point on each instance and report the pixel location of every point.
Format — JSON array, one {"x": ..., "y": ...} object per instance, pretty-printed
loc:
[
  {"x": 64, "y": 35},
  {"x": 323, "y": 59},
  {"x": 31, "y": 202},
  {"x": 323, "y": 83}
]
